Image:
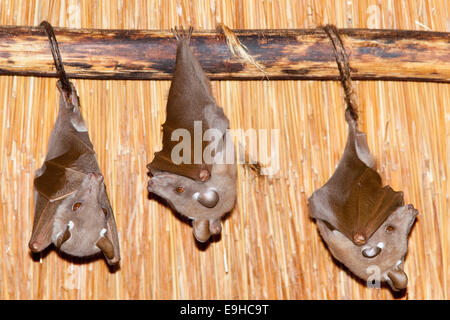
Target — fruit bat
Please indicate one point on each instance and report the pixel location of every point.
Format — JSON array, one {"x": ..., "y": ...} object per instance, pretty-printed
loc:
[
  {"x": 72, "y": 209},
  {"x": 363, "y": 223},
  {"x": 202, "y": 190}
]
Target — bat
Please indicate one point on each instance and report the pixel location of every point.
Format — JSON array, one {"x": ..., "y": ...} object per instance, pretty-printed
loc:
[
  {"x": 72, "y": 209},
  {"x": 202, "y": 190},
  {"x": 364, "y": 224}
]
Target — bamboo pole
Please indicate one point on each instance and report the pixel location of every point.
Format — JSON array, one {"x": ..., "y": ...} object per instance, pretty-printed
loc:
[{"x": 283, "y": 54}]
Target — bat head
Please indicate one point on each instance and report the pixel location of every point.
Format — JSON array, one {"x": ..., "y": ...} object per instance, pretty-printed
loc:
[
  {"x": 382, "y": 255},
  {"x": 187, "y": 196},
  {"x": 80, "y": 223},
  {"x": 204, "y": 202}
]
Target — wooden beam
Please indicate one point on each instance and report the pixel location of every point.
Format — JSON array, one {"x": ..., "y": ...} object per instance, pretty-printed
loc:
[{"x": 284, "y": 54}]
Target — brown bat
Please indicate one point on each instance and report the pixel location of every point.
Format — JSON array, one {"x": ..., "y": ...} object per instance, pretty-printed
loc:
[
  {"x": 202, "y": 190},
  {"x": 364, "y": 224},
  {"x": 72, "y": 209}
]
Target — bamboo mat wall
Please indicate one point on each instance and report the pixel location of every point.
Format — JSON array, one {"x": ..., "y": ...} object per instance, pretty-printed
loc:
[{"x": 269, "y": 248}]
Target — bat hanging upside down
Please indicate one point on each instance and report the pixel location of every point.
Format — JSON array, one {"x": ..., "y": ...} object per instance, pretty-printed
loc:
[
  {"x": 203, "y": 191},
  {"x": 364, "y": 224},
  {"x": 72, "y": 209}
]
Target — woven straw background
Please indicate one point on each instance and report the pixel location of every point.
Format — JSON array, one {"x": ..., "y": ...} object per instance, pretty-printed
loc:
[{"x": 269, "y": 249}]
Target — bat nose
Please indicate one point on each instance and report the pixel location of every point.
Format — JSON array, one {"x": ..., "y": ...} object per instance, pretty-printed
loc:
[{"x": 151, "y": 185}]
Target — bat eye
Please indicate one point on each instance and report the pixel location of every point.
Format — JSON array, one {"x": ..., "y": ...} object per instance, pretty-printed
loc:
[
  {"x": 389, "y": 228},
  {"x": 75, "y": 206},
  {"x": 180, "y": 190},
  {"x": 105, "y": 211}
]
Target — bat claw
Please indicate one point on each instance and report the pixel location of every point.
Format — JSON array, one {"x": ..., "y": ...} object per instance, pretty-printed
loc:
[
  {"x": 359, "y": 239},
  {"x": 204, "y": 175},
  {"x": 181, "y": 34},
  {"x": 34, "y": 246}
]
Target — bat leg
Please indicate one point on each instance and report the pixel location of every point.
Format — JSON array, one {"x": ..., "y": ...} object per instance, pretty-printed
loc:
[
  {"x": 215, "y": 226},
  {"x": 201, "y": 230}
]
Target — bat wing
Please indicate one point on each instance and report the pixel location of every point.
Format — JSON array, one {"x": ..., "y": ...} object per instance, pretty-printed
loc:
[
  {"x": 191, "y": 107},
  {"x": 45, "y": 211},
  {"x": 353, "y": 200},
  {"x": 58, "y": 178},
  {"x": 63, "y": 175},
  {"x": 367, "y": 207}
]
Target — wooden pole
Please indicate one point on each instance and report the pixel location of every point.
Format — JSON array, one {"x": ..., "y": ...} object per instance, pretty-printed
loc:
[{"x": 284, "y": 54}]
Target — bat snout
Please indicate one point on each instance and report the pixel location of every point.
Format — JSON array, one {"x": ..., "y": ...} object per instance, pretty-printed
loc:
[
  {"x": 150, "y": 185},
  {"x": 153, "y": 183},
  {"x": 162, "y": 180}
]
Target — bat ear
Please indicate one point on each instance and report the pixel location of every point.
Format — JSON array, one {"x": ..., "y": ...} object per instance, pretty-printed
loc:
[
  {"x": 398, "y": 278},
  {"x": 109, "y": 246},
  {"x": 201, "y": 230},
  {"x": 41, "y": 236}
]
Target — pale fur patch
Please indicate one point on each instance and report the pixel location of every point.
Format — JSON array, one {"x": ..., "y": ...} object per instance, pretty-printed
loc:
[{"x": 80, "y": 127}]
